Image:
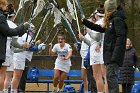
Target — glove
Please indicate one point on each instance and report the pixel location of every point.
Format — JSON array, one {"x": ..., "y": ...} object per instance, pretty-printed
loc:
[
  {"x": 37, "y": 47},
  {"x": 33, "y": 48},
  {"x": 50, "y": 44},
  {"x": 46, "y": 8},
  {"x": 86, "y": 63},
  {"x": 136, "y": 69},
  {"x": 23, "y": 28},
  {"x": 82, "y": 17},
  {"x": 41, "y": 46},
  {"x": 81, "y": 36}
]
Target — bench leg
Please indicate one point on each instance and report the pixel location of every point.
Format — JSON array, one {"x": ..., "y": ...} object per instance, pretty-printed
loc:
[{"x": 48, "y": 87}]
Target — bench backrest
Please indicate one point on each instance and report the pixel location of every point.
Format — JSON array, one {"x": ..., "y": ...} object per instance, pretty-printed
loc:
[
  {"x": 72, "y": 73},
  {"x": 137, "y": 74},
  {"x": 50, "y": 73},
  {"x": 43, "y": 72}
]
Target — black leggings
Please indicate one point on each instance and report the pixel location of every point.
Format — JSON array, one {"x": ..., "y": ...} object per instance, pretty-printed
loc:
[{"x": 126, "y": 88}]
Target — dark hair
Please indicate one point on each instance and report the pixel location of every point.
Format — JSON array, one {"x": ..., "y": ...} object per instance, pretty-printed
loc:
[
  {"x": 101, "y": 9},
  {"x": 10, "y": 10},
  {"x": 92, "y": 16},
  {"x": 61, "y": 33}
]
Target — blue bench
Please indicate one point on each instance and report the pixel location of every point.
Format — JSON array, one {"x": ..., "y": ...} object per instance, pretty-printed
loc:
[
  {"x": 48, "y": 75},
  {"x": 136, "y": 86},
  {"x": 137, "y": 74}
]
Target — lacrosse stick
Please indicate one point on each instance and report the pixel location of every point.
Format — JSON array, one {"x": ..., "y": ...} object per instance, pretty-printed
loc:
[
  {"x": 76, "y": 16},
  {"x": 42, "y": 24},
  {"x": 21, "y": 5},
  {"x": 37, "y": 10},
  {"x": 71, "y": 9},
  {"x": 68, "y": 25},
  {"x": 38, "y": 27},
  {"x": 54, "y": 36},
  {"x": 31, "y": 17},
  {"x": 80, "y": 7},
  {"x": 48, "y": 35}
]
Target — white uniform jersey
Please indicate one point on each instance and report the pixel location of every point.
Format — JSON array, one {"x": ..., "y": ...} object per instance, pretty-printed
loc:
[
  {"x": 9, "y": 50},
  {"x": 100, "y": 22},
  {"x": 24, "y": 54},
  {"x": 62, "y": 52},
  {"x": 84, "y": 47},
  {"x": 96, "y": 57},
  {"x": 19, "y": 58}
]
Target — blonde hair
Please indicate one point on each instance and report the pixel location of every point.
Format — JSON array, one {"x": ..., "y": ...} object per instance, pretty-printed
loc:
[
  {"x": 129, "y": 41},
  {"x": 3, "y": 2},
  {"x": 106, "y": 18}
]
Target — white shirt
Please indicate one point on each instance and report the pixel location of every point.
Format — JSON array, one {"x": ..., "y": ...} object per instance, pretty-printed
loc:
[
  {"x": 100, "y": 22},
  {"x": 62, "y": 52},
  {"x": 84, "y": 47},
  {"x": 24, "y": 54},
  {"x": 9, "y": 50}
]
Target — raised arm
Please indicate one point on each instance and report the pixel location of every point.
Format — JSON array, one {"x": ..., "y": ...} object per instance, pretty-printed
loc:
[
  {"x": 83, "y": 38},
  {"x": 6, "y": 31},
  {"x": 93, "y": 26},
  {"x": 15, "y": 44},
  {"x": 50, "y": 50}
]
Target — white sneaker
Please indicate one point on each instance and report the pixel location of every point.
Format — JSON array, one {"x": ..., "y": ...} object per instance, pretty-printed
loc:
[
  {"x": 1, "y": 91},
  {"x": 54, "y": 91},
  {"x": 59, "y": 92}
]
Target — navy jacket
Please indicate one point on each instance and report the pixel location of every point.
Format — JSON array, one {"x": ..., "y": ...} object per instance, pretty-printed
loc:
[
  {"x": 115, "y": 37},
  {"x": 127, "y": 70}
]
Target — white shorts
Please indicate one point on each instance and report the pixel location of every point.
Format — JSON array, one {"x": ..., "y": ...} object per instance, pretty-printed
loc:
[
  {"x": 95, "y": 57},
  {"x": 19, "y": 63},
  {"x": 11, "y": 67},
  {"x": 101, "y": 55},
  {"x": 8, "y": 60},
  {"x": 62, "y": 68},
  {"x": 82, "y": 64}
]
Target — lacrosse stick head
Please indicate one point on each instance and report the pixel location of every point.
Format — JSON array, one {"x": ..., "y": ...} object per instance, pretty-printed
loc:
[
  {"x": 35, "y": 1},
  {"x": 55, "y": 3},
  {"x": 47, "y": 7},
  {"x": 11, "y": 11}
]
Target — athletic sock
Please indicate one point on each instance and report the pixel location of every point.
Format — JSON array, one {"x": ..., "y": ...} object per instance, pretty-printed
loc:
[
  {"x": 5, "y": 90},
  {"x": 13, "y": 90},
  {"x": 85, "y": 91},
  {"x": 59, "y": 89},
  {"x": 54, "y": 89}
]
